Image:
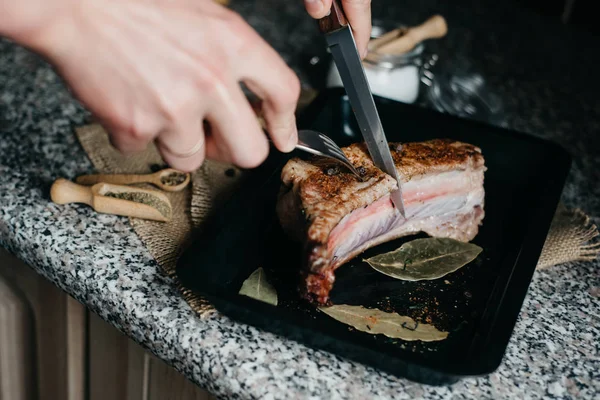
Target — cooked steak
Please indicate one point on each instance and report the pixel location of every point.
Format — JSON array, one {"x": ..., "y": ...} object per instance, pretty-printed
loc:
[{"x": 336, "y": 216}]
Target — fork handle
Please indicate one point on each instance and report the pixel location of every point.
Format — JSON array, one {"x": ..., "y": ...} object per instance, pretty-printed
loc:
[{"x": 335, "y": 20}]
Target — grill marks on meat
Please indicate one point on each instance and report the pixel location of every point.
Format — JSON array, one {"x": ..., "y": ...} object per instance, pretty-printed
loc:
[{"x": 337, "y": 217}]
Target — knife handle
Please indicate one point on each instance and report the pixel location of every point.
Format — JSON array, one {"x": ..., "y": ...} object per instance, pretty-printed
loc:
[{"x": 335, "y": 20}]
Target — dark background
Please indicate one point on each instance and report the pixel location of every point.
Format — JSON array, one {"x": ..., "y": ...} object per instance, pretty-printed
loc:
[{"x": 577, "y": 13}]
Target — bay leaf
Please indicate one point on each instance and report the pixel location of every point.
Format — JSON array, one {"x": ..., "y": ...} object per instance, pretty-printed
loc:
[
  {"x": 375, "y": 321},
  {"x": 257, "y": 287},
  {"x": 425, "y": 259}
]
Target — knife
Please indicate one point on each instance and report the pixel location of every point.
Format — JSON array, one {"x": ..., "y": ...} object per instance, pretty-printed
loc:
[{"x": 340, "y": 40}]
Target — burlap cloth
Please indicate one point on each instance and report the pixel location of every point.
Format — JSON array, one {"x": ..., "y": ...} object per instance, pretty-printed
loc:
[{"x": 569, "y": 238}]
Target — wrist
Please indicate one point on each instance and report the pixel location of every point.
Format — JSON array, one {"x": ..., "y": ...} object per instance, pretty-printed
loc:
[{"x": 35, "y": 23}]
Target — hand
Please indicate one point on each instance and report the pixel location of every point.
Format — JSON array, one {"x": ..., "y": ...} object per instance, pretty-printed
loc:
[
  {"x": 358, "y": 13},
  {"x": 156, "y": 70}
]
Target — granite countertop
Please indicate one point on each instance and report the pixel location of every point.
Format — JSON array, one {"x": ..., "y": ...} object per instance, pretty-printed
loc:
[{"x": 542, "y": 72}]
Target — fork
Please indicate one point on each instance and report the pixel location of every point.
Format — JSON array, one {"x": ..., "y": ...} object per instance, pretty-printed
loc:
[{"x": 317, "y": 143}]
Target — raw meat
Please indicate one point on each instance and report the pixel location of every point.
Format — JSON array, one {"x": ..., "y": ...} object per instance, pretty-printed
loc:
[{"x": 337, "y": 217}]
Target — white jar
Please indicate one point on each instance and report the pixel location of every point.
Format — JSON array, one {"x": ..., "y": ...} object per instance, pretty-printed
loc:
[{"x": 394, "y": 77}]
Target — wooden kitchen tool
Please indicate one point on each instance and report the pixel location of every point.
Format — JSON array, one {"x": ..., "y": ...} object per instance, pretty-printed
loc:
[
  {"x": 114, "y": 199},
  {"x": 394, "y": 34},
  {"x": 402, "y": 40},
  {"x": 168, "y": 179}
]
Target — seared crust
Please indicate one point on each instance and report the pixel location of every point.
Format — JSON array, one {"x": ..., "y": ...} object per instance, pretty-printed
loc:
[
  {"x": 316, "y": 195},
  {"x": 323, "y": 199},
  {"x": 411, "y": 159},
  {"x": 434, "y": 156}
]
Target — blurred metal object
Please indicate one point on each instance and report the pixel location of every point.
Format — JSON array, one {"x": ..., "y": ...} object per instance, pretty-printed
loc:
[
  {"x": 464, "y": 95},
  {"x": 455, "y": 87}
]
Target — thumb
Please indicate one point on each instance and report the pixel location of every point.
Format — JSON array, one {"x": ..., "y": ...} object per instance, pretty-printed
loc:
[{"x": 317, "y": 8}]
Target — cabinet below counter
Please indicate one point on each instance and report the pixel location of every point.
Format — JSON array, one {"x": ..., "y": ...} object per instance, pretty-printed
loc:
[{"x": 53, "y": 348}]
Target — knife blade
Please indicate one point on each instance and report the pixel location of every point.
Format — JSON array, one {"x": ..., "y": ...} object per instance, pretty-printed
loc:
[{"x": 338, "y": 34}]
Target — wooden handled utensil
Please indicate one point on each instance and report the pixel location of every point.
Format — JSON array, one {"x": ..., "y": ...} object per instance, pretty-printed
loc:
[
  {"x": 168, "y": 179},
  {"x": 402, "y": 40},
  {"x": 114, "y": 199},
  {"x": 394, "y": 34}
]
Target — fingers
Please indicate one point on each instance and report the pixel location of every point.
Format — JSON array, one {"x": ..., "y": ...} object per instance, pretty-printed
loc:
[
  {"x": 183, "y": 148},
  {"x": 358, "y": 13},
  {"x": 317, "y": 8},
  {"x": 236, "y": 135},
  {"x": 232, "y": 133},
  {"x": 216, "y": 149},
  {"x": 129, "y": 140},
  {"x": 278, "y": 111},
  {"x": 269, "y": 77},
  {"x": 215, "y": 96},
  {"x": 122, "y": 142}
]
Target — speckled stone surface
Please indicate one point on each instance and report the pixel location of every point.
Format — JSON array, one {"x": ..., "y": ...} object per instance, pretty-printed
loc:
[{"x": 543, "y": 73}]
